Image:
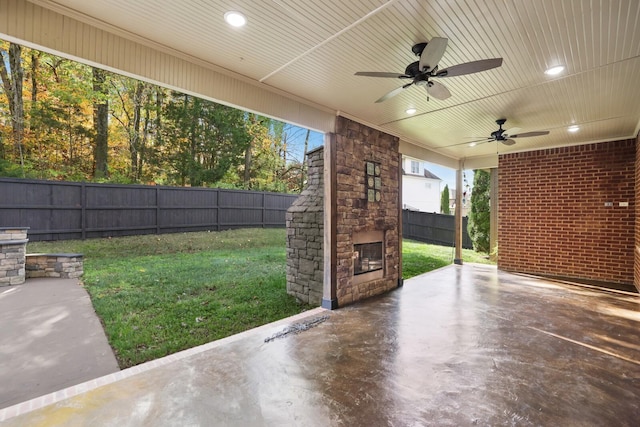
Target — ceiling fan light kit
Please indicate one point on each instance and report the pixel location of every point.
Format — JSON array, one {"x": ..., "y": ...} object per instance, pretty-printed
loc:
[{"x": 422, "y": 72}]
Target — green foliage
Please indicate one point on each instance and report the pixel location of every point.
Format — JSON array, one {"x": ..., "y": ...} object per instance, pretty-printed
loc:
[
  {"x": 479, "y": 215},
  {"x": 444, "y": 201},
  {"x": 205, "y": 138},
  {"x": 154, "y": 136}
]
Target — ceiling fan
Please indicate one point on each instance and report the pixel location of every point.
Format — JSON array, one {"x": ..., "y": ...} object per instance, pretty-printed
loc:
[
  {"x": 507, "y": 136},
  {"x": 421, "y": 72}
]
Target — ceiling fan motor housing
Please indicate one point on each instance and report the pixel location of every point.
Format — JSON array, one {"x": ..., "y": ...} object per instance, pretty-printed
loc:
[
  {"x": 418, "y": 48},
  {"x": 499, "y": 134}
]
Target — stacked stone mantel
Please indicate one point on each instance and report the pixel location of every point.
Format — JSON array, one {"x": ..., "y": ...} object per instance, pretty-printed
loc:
[
  {"x": 305, "y": 234},
  {"x": 13, "y": 247}
]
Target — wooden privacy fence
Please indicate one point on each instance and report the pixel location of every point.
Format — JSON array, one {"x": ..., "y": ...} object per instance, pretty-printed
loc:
[
  {"x": 71, "y": 210},
  {"x": 433, "y": 228},
  {"x": 56, "y": 210}
]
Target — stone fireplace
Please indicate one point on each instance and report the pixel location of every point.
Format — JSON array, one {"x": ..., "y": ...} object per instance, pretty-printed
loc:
[{"x": 353, "y": 202}]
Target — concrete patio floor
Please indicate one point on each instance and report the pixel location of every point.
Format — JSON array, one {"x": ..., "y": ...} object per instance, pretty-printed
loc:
[
  {"x": 50, "y": 338},
  {"x": 460, "y": 346}
]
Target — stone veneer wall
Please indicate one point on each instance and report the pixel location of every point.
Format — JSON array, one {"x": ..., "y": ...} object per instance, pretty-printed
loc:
[
  {"x": 305, "y": 234},
  {"x": 354, "y": 145},
  {"x": 13, "y": 246},
  {"x": 64, "y": 266}
]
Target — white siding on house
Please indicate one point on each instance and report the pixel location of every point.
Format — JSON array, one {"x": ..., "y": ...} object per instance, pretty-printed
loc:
[{"x": 418, "y": 191}]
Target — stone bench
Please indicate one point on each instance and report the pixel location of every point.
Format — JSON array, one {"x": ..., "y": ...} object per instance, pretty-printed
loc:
[{"x": 64, "y": 266}]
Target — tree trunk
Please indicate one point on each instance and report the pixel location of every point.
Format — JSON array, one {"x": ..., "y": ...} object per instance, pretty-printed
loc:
[
  {"x": 13, "y": 88},
  {"x": 247, "y": 166},
  {"x": 194, "y": 175},
  {"x": 35, "y": 64},
  {"x": 303, "y": 171},
  {"x": 247, "y": 157},
  {"x": 101, "y": 124},
  {"x": 135, "y": 137}
]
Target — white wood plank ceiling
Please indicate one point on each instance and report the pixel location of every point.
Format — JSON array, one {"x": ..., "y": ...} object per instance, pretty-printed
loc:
[{"x": 312, "y": 48}]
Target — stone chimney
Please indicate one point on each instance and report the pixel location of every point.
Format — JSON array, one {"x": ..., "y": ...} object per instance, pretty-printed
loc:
[{"x": 305, "y": 234}]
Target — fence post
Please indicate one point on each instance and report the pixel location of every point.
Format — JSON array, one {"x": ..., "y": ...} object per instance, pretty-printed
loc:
[
  {"x": 83, "y": 210},
  {"x": 263, "y": 207},
  {"x": 157, "y": 210},
  {"x": 217, "y": 208}
]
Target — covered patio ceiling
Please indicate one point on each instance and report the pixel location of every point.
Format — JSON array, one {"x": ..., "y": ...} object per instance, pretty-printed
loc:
[{"x": 309, "y": 50}]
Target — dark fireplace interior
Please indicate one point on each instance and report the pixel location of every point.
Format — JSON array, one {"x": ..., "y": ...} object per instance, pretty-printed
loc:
[{"x": 367, "y": 257}]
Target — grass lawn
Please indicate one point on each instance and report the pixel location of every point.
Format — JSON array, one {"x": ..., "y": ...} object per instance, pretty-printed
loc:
[
  {"x": 418, "y": 258},
  {"x": 159, "y": 294}
]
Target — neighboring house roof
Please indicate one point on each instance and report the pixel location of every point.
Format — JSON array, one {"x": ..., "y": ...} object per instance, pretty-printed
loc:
[
  {"x": 430, "y": 175},
  {"x": 427, "y": 174}
]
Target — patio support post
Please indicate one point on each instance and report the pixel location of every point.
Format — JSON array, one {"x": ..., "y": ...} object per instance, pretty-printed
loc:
[
  {"x": 329, "y": 297},
  {"x": 400, "y": 279},
  {"x": 493, "y": 214},
  {"x": 458, "y": 216}
]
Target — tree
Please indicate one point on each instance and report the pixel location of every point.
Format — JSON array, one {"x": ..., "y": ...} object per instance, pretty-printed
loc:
[
  {"x": 54, "y": 124},
  {"x": 100, "y": 123},
  {"x": 479, "y": 216},
  {"x": 205, "y": 139},
  {"x": 12, "y": 85},
  {"x": 444, "y": 201}
]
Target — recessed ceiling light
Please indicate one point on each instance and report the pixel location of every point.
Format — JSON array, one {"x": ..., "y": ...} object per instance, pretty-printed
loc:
[
  {"x": 573, "y": 128},
  {"x": 554, "y": 70},
  {"x": 235, "y": 19},
  {"x": 411, "y": 111},
  {"x": 473, "y": 144}
]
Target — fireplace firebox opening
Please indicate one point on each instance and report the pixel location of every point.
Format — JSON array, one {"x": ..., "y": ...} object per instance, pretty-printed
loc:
[{"x": 368, "y": 257}]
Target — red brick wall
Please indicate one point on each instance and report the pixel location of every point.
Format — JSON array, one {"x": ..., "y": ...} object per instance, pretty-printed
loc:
[
  {"x": 552, "y": 217},
  {"x": 636, "y": 264}
]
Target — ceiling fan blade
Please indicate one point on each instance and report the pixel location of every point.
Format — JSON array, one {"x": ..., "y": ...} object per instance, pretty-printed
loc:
[
  {"x": 382, "y": 74},
  {"x": 394, "y": 92},
  {"x": 432, "y": 53},
  {"x": 508, "y": 141},
  {"x": 528, "y": 134},
  {"x": 470, "y": 67},
  {"x": 438, "y": 90}
]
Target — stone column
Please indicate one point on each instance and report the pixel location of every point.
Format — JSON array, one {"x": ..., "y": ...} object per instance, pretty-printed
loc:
[
  {"x": 305, "y": 231},
  {"x": 13, "y": 248}
]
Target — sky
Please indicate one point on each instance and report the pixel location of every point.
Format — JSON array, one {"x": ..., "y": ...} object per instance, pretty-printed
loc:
[
  {"x": 295, "y": 141},
  {"x": 448, "y": 175}
]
